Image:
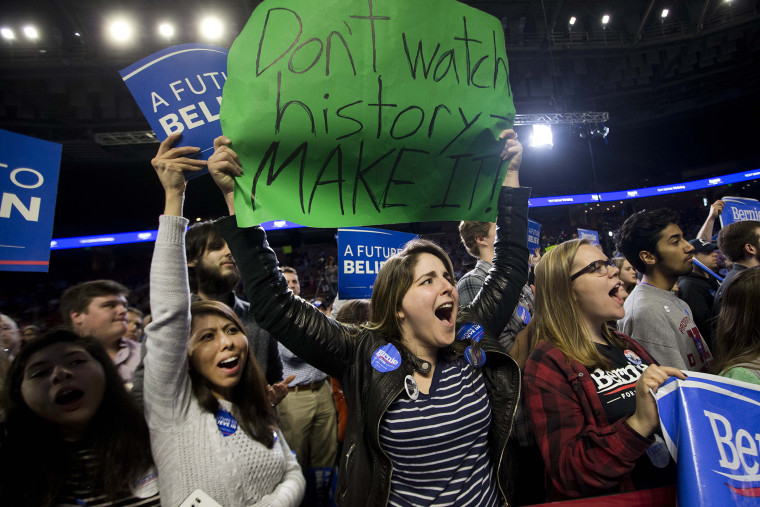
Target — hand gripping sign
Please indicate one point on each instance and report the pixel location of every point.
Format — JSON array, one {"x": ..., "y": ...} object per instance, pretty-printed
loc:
[
  {"x": 712, "y": 428},
  {"x": 362, "y": 112}
]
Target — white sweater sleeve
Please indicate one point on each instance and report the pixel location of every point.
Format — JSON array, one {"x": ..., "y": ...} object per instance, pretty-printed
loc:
[
  {"x": 290, "y": 491},
  {"x": 167, "y": 382}
]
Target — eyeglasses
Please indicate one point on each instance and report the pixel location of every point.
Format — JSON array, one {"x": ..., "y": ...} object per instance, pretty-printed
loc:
[{"x": 601, "y": 268}]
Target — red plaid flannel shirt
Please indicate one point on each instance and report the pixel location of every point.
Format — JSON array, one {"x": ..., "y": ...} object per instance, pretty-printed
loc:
[{"x": 583, "y": 454}]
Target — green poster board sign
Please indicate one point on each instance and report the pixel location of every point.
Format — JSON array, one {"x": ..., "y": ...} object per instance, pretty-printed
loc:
[{"x": 361, "y": 112}]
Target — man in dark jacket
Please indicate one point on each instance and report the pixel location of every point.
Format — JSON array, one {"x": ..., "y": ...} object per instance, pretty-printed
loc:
[{"x": 698, "y": 288}]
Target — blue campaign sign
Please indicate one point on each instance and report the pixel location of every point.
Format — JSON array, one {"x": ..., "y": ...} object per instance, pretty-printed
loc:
[
  {"x": 361, "y": 253},
  {"x": 534, "y": 235},
  {"x": 712, "y": 428},
  {"x": 179, "y": 89},
  {"x": 29, "y": 183},
  {"x": 738, "y": 209},
  {"x": 592, "y": 236}
]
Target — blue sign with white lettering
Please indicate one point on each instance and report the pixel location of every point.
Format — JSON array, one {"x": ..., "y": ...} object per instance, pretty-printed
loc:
[
  {"x": 179, "y": 89},
  {"x": 592, "y": 236},
  {"x": 361, "y": 253},
  {"x": 534, "y": 235},
  {"x": 738, "y": 209},
  {"x": 711, "y": 425},
  {"x": 29, "y": 170}
]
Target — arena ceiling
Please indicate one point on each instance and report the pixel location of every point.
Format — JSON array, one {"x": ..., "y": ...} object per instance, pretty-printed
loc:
[{"x": 681, "y": 92}]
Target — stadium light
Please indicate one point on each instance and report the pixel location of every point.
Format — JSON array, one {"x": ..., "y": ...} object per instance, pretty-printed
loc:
[
  {"x": 572, "y": 20},
  {"x": 31, "y": 32},
  {"x": 166, "y": 30},
  {"x": 211, "y": 28},
  {"x": 605, "y": 19},
  {"x": 120, "y": 30},
  {"x": 542, "y": 136},
  {"x": 665, "y": 13},
  {"x": 7, "y": 33}
]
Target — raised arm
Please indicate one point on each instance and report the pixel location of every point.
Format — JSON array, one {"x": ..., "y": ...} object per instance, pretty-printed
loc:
[
  {"x": 501, "y": 290},
  {"x": 706, "y": 232},
  {"x": 304, "y": 330},
  {"x": 167, "y": 384}
]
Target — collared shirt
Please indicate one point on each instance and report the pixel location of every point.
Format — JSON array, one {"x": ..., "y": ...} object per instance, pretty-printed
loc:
[
  {"x": 127, "y": 359},
  {"x": 294, "y": 365}
]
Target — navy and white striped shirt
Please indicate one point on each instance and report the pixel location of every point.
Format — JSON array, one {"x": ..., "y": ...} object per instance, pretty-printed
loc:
[{"x": 438, "y": 444}]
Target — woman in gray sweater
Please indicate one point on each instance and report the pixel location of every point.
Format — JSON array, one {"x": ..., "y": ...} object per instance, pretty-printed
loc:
[{"x": 211, "y": 424}]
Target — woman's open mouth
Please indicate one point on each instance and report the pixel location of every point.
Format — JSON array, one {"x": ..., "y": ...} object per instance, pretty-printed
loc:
[
  {"x": 445, "y": 312},
  {"x": 69, "y": 399},
  {"x": 229, "y": 365},
  {"x": 617, "y": 293}
]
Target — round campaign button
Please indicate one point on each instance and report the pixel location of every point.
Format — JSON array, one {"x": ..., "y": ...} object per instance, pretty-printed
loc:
[
  {"x": 475, "y": 356},
  {"x": 226, "y": 422},
  {"x": 658, "y": 452},
  {"x": 470, "y": 331},
  {"x": 412, "y": 390},
  {"x": 524, "y": 314},
  {"x": 386, "y": 358},
  {"x": 632, "y": 357}
]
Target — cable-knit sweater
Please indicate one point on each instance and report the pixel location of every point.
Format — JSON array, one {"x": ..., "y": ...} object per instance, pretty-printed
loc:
[{"x": 189, "y": 450}]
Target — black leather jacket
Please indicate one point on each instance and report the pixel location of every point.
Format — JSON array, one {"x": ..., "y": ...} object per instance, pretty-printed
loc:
[{"x": 345, "y": 352}]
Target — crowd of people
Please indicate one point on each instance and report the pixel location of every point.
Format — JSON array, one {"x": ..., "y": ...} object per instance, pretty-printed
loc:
[{"x": 523, "y": 380}]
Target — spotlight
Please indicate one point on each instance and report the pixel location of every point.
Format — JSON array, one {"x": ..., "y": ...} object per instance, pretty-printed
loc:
[
  {"x": 542, "y": 136},
  {"x": 120, "y": 30},
  {"x": 605, "y": 19},
  {"x": 7, "y": 33},
  {"x": 166, "y": 30},
  {"x": 572, "y": 20},
  {"x": 77, "y": 34},
  {"x": 664, "y": 14},
  {"x": 31, "y": 32},
  {"x": 211, "y": 28},
  {"x": 599, "y": 130}
]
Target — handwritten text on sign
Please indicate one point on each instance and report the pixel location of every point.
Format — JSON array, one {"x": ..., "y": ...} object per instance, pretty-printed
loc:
[{"x": 365, "y": 112}]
